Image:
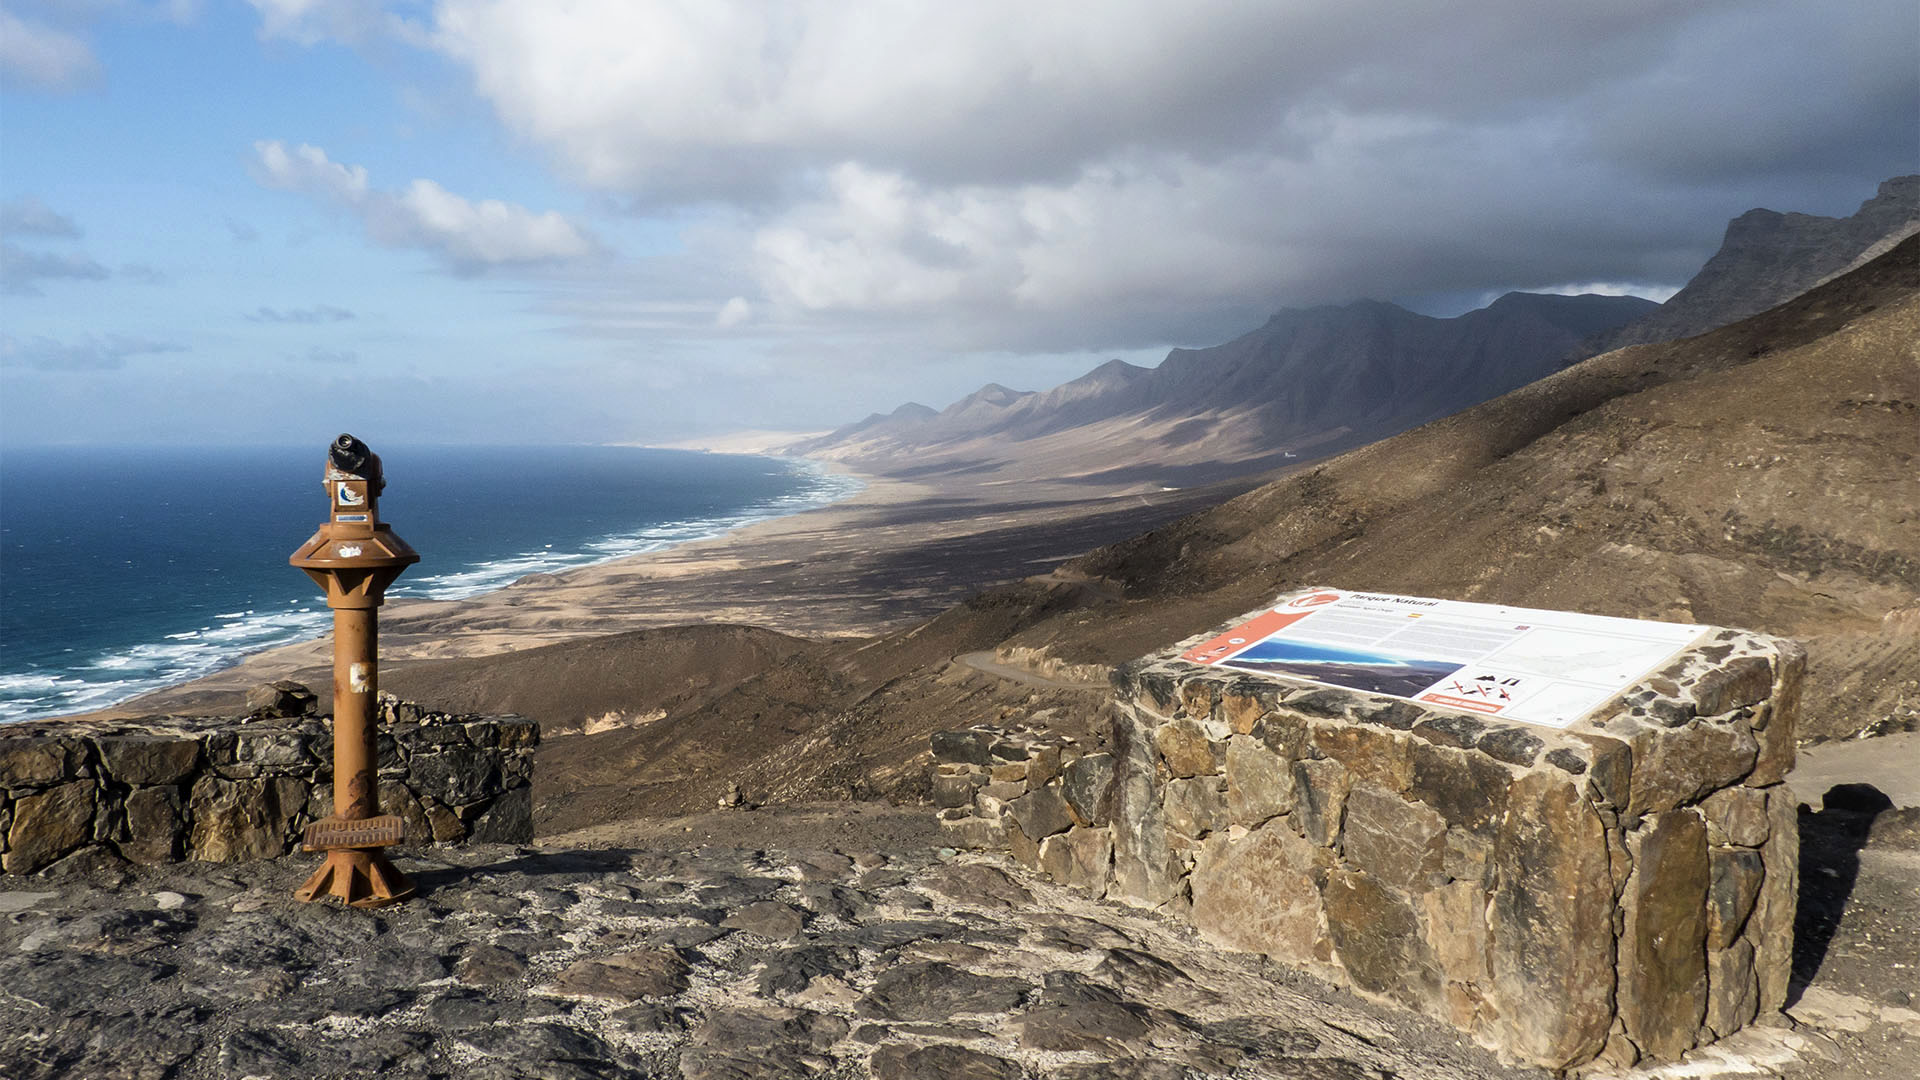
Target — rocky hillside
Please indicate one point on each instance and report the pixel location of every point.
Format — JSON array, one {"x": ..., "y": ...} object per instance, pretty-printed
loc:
[{"x": 1769, "y": 258}]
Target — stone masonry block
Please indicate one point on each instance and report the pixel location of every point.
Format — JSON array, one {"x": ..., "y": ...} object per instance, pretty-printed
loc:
[
  {"x": 1663, "y": 955},
  {"x": 1616, "y": 889}
]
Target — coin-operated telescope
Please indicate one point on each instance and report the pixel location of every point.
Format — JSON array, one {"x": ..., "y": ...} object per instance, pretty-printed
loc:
[{"x": 354, "y": 557}]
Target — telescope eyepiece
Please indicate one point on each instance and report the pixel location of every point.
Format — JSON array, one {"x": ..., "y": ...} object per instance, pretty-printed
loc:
[{"x": 350, "y": 455}]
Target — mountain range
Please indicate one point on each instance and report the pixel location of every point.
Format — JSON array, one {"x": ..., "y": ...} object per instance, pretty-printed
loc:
[{"x": 1315, "y": 381}]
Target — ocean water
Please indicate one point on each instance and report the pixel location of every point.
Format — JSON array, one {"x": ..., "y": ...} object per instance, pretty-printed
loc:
[{"x": 127, "y": 569}]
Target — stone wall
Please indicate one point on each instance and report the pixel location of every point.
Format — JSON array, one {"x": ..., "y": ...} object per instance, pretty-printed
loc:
[
  {"x": 79, "y": 794},
  {"x": 1624, "y": 888}
]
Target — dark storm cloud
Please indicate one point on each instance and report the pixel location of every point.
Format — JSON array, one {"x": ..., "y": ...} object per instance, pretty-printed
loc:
[{"x": 1129, "y": 173}]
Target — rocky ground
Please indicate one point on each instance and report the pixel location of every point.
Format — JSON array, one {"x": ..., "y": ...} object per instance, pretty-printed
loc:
[{"x": 685, "y": 948}]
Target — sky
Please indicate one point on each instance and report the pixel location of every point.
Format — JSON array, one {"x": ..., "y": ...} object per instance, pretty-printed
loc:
[{"x": 637, "y": 221}]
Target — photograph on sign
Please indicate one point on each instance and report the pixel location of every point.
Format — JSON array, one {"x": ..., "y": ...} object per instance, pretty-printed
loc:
[
  {"x": 1358, "y": 670},
  {"x": 1538, "y": 667}
]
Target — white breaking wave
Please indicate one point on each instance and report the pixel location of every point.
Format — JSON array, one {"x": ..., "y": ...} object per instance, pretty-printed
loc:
[{"x": 114, "y": 677}]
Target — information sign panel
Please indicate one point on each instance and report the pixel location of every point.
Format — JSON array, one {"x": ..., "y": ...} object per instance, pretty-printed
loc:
[{"x": 1538, "y": 667}]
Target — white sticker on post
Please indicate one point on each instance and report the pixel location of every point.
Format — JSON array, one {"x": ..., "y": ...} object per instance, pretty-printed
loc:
[{"x": 360, "y": 678}]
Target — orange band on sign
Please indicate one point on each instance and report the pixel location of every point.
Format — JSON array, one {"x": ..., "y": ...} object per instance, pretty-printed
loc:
[
  {"x": 1243, "y": 635},
  {"x": 1462, "y": 703}
]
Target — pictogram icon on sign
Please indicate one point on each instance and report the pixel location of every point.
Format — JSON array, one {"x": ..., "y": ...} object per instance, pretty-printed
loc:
[{"x": 1313, "y": 600}]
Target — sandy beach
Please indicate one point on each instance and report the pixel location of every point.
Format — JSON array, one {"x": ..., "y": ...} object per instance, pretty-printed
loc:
[{"x": 903, "y": 548}]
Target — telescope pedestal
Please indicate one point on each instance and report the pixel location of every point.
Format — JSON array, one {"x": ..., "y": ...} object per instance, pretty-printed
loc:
[{"x": 361, "y": 878}]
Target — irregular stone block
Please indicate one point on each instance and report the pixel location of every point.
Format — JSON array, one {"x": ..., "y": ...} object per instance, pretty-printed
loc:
[
  {"x": 235, "y": 820},
  {"x": 446, "y": 825},
  {"x": 1043, "y": 766},
  {"x": 1736, "y": 815},
  {"x": 1320, "y": 798},
  {"x": 1375, "y": 757},
  {"x": 1770, "y": 927},
  {"x": 1377, "y": 937},
  {"x": 1734, "y": 877},
  {"x": 1087, "y": 785},
  {"x": 1455, "y": 927},
  {"x": 1014, "y": 771},
  {"x": 1187, "y": 750},
  {"x": 1259, "y": 782},
  {"x": 1007, "y": 750},
  {"x": 1736, "y": 684},
  {"x": 395, "y": 799},
  {"x": 954, "y": 790},
  {"x": 151, "y": 835},
  {"x": 1551, "y": 923},
  {"x": 27, "y": 762},
  {"x": 1676, "y": 766},
  {"x": 1513, "y": 745},
  {"x": 146, "y": 760},
  {"x": 49, "y": 824},
  {"x": 1286, "y": 734},
  {"x": 1467, "y": 789},
  {"x": 1243, "y": 706},
  {"x": 1024, "y": 849},
  {"x": 1610, "y": 783},
  {"x": 508, "y": 819},
  {"x": 284, "y": 698},
  {"x": 1197, "y": 697},
  {"x": 1003, "y": 790},
  {"x": 979, "y": 834},
  {"x": 1663, "y": 949},
  {"x": 1401, "y": 844},
  {"x": 970, "y": 747},
  {"x": 516, "y": 732},
  {"x": 1459, "y": 732},
  {"x": 1142, "y": 869},
  {"x": 1733, "y": 997},
  {"x": 1261, "y": 893},
  {"x": 1196, "y": 806},
  {"x": 1041, "y": 813},
  {"x": 1080, "y": 858},
  {"x": 456, "y": 775}
]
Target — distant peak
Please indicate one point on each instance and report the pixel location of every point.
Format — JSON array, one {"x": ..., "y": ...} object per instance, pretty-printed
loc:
[
  {"x": 913, "y": 410},
  {"x": 992, "y": 394}
]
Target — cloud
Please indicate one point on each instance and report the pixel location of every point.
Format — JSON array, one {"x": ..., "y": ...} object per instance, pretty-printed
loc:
[
  {"x": 329, "y": 357},
  {"x": 27, "y": 215},
  {"x": 311, "y": 21},
  {"x": 469, "y": 236},
  {"x": 1125, "y": 172},
  {"x": 321, "y": 313},
  {"x": 144, "y": 273},
  {"x": 732, "y": 313},
  {"x": 93, "y": 353},
  {"x": 242, "y": 232},
  {"x": 21, "y": 270},
  {"x": 35, "y": 56}
]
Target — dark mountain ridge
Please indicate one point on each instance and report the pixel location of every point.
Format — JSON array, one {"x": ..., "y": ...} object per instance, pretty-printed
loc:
[
  {"x": 1363, "y": 370},
  {"x": 1768, "y": 257}
]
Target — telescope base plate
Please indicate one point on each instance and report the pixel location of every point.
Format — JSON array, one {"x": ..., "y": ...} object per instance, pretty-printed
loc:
[{"x": 360, "y": 877}]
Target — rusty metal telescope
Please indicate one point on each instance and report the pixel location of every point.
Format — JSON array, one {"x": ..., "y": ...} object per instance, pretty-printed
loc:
[{"x": 354, "y": 557}]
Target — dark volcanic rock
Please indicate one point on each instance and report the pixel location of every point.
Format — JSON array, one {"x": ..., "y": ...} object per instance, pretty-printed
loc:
[
  {"x": 939, "y": 1062},
  {"x": 935, "y": 991}
]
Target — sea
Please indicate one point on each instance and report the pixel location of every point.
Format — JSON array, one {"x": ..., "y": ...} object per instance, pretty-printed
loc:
[{"x": 127, "y": 569}]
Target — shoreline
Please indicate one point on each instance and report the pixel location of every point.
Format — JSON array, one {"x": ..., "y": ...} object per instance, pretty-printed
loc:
[{"x": 810, "y": 474}]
